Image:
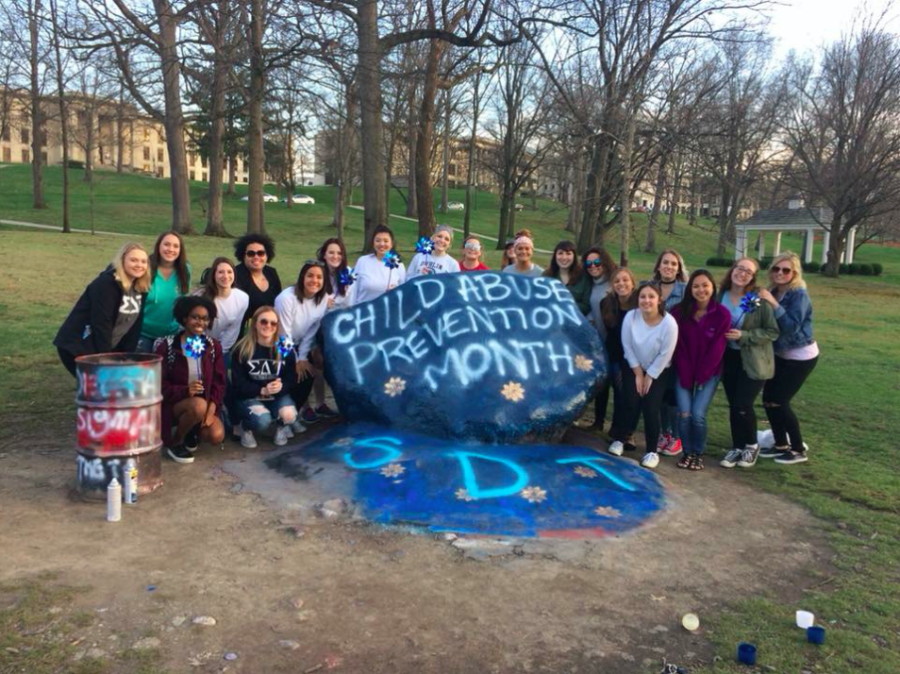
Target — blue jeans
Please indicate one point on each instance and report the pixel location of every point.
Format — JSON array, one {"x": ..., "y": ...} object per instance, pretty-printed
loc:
[
  {"x": 692, "y": 406},
  {"x": 145, "y": 344},
  {"x": 257, "y": 415}
]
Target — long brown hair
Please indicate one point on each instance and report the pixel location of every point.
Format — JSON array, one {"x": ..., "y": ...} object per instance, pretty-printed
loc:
[
  {"x": 610, "y": 310},
  {"x": 210, "y": 289},
  {"x": 575, "y": 271},
  {"x": 246, "y": 345},
  {"x": 180, "y": 264},
  {"x": 336, "y": 288}
]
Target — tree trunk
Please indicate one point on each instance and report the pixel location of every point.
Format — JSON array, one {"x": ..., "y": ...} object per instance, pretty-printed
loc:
[
  {"x": 256, "y": 222},
  {"x": 63, "y": 115},
  {"x": 835, "y": 249},
  {"x": 470, "y": 168},
  {"x": 424, "y": 135},
  {"x": 412, "y": 200},
  {"x": 174, "y": 118},
  {"x": 214, "y": 224},
  {"x": 37, "y": 118},
  {"x": 723, "y": 223},
  {"x": 596, "y": 176},
  {"x": 650, "y": 243},
  {"x": 232, "y": 173},
  {"x": 625, "y": 223},
  {"x": 338, "y": 220},
  {"x": 369, "y": 70},
  {"x": 89, "y": 143},
  {"x": 120, "y": 131},
  {"x": 445, "y": 156}
]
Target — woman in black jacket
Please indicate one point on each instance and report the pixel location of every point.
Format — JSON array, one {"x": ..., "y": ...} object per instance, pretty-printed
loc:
[
  {"x": 254, "y": 273},
  {"x": 108, "y": 315}
]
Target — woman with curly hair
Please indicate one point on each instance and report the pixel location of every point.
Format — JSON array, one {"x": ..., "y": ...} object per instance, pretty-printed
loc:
[{"x": 254, "y": 273}]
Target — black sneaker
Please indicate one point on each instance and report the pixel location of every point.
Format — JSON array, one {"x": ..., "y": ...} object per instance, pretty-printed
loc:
[
  {"x": 772, "y": 452},
  {"x": 790, "y": 457},
  {"x": 192, "y": 439},
  {"x": 180, "y": 454}
]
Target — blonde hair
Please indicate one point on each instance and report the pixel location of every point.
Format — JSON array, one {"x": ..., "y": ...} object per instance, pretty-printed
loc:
[
  {"x": 246, "y": 345},
  {"x": 796, "y": 278},
  {"x": 142, "y": 284}
]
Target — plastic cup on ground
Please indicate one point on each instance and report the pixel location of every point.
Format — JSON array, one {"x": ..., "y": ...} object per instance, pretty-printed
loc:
[
  {"x": 815, "y": 634},
  {"x": 746, "y": 653},
  {"x": 805, "y": 619}
]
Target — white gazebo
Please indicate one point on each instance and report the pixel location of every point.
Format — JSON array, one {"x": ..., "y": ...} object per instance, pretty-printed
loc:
[{"x": 795, "y": 218}]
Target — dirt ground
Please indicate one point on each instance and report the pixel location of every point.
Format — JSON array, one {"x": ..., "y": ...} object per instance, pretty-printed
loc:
[{"x": 296, "y": 594}]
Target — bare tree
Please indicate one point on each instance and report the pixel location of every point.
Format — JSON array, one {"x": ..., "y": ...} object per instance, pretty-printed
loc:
[
  {"x": 60, "y": 64},
  {"x": 844, "y": 131}
]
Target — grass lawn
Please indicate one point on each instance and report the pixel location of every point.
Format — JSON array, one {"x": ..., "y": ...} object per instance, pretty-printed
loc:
[{"x": 849, "y": 407}]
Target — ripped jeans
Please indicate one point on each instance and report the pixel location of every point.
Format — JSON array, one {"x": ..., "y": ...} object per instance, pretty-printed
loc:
[{"x": 692, "y": 406}]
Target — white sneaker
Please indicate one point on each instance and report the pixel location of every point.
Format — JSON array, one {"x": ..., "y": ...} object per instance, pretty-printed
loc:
[
  {"x": 297, "y": 427},
  {"x": 247, "y": 439},
  {"x": 288, "y": 432},
  {"x": 650, "y": 460},
  {"x": 731, "y": 458},
  {"x": 281, "y": 436},
  {"x": 616, "y": 448}
]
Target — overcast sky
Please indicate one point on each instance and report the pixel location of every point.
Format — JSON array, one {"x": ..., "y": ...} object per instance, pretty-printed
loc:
[{"x": 804, "y": 25}]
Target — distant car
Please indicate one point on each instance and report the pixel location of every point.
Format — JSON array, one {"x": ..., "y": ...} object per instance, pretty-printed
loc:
[
  {"x": 519, "y": 207},
  {"x": 301, "y": 199},
  {"x": 456, "y": 206},
  {"x": 267, "y": 198}
]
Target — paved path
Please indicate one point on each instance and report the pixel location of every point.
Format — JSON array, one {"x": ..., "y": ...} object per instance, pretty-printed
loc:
[
  {"x": 457, "y": 229},
  {"x": 55, "y": 228}
]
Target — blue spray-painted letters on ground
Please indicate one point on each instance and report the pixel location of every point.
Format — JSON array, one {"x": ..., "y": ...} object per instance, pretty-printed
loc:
[
  {"x": 481, "y": 356},
  {"x": 394, "y": 477}
]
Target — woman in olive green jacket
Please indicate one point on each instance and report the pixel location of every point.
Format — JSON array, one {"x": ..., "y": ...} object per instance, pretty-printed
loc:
[
  {"x": 566, "y": 268},
  {"x": 749, "y": 358}
]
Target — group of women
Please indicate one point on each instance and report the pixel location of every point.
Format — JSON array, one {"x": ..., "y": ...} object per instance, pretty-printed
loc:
[{"x": 239, "y": 352}]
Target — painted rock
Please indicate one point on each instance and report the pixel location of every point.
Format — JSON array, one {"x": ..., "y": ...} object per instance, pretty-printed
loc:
[
  {"x": 478, "y": 356},
  {"x": 395, "y": 477}
]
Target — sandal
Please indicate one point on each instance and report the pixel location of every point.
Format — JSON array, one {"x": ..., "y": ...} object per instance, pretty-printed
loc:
[
  {"x": 685, "y": 461},
  {"x": 696, "y": 463}
]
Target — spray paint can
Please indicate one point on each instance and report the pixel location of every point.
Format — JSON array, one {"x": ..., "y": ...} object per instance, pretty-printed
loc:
[
  {"x": 114, "y": 501},
  {"x": 131, "y": 482}
]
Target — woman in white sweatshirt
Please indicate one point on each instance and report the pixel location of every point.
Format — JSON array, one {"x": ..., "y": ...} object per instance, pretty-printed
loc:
[
  {"x": 300, "y": 310},
  {"x": 374, "y": 278},
  {"x": 649, "y": 336},
  {"x": 438, "y": 261}
]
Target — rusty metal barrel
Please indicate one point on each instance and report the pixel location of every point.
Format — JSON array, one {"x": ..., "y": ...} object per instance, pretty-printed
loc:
[{"x": 119, "y": 418}]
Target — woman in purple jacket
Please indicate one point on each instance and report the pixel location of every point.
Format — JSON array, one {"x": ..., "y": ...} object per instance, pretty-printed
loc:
[{"x": 702, "y": 324}]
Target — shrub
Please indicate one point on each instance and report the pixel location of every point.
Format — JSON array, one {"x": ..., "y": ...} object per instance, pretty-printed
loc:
[
  {"x": 877, "y": 269},
  {"x": 854, "y": 268},
  {"x": 719, "y": 261},
  {"x": 812, "y": 267},
  {"x": 844, "y": 269},
  {"x": 866, "y": 269},
  {"x": 74, "y": 164}
]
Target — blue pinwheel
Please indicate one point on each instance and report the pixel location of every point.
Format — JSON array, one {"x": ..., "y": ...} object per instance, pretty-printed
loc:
[
  {"x": 425, "y": 246},
  {"x": 347, "y": 277},
  {"x": 194, "y": 348}
]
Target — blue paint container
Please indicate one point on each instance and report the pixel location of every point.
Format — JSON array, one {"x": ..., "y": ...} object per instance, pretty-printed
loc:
[
  {"x": 815, "y": 635},
  {"x": 746, "y": 653}
]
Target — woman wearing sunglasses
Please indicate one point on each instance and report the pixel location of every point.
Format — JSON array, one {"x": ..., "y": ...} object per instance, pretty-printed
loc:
[
  {"x": 796, "y": 355},
  {"x": 749, "y": 358},
  {"x": 471, "y": 260},
  {"x": 301, "y": 309},
  {"x": 253, "y": 273},
  {"x": 599, "y": 267},
  {"x": 107, "y": 317},
  {"x": 262, "y": 378},
  {"x": 193, "y": 380}
]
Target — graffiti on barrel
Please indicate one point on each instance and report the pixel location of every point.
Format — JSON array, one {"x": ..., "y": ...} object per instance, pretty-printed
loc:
[{"x": 394, "y": 477}]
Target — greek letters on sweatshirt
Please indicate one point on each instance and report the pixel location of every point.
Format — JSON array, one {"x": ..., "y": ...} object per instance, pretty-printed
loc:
[
  {"x": 248, "y": 377},
  {"x": 300, "y": 319},
  {"x": 649, "y": 347},
  {"x": 374, "y": 279}
]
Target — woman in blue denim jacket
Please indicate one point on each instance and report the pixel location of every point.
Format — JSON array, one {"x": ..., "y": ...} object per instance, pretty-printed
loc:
[{"x": 796, "y": 355}]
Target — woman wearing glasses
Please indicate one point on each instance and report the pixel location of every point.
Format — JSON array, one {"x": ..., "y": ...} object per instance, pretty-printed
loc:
[
  {"x": 749, "y": 358},
  {"x": 171, "y": 276},
  {"x": 566, "y": 268},
  {"x": 300, "y": 310},
  {"x": 107, "y": 316},
  {"x": 253, "y": 274},
  {"x": 796, "y": 355},
  {"x": 262, "y": 379},
  {"x": 374, "y": 278},
  {"x": 193, "y": 380},
  {"x": 471, "y": 260}
]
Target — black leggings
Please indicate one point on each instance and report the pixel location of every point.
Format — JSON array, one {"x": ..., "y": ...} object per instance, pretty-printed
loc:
[
  {"x": 790, "y": 376},
  {"x": 741, "y": 392},
  {"x": 301, "y": 390},
  {"x": 68, "y": 360},
  {"x": 601, "y": 401},
  {"x": 633, "y": 405}
]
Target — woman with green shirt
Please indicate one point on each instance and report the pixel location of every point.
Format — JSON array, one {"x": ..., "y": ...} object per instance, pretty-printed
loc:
[
  {"x": 749, "y": 357},
  {"x": 171, "y": 276}
]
